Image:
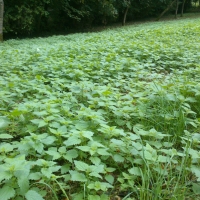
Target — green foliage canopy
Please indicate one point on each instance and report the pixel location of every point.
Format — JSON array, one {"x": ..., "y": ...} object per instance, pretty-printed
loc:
[{"x": 33, "y": 16}]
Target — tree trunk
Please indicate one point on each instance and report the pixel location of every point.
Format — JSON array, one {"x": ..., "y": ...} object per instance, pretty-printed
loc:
[
  {"x": 176, "y": 11},
  {"x": 182, "y": 9},
  {"x": 127, "y": 4},
  {"x": 168, "y": 7},
  {"x": 1, "y": 19},
  {"x": 125, "y": 14}
]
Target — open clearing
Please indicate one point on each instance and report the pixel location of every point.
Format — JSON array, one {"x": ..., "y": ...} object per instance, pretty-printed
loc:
[{"x": 101, "y": 116}]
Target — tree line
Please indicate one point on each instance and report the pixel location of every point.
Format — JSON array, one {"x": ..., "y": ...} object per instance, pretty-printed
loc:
[{"x": 26, "y": 17}]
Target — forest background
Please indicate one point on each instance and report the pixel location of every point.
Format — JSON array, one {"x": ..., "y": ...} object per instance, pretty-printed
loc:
[{"x": 38, "y": 17}]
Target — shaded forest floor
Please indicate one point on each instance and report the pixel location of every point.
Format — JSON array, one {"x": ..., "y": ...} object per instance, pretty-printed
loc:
[{"x": 142, "y": 21}]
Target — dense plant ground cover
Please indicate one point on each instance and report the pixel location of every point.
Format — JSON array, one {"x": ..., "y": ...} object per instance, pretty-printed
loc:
[{"x": 99, "y": 116}]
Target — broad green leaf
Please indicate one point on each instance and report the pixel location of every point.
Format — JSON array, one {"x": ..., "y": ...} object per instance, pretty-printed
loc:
[
  {"x": 96, "y": 186},
  {"x": 118, "y": 158},
  {"x": 5, "y": 174},
  {"x": 79, "y": 196},
  {"x": 5, "y": 136},
  {"x": 160, "y": 170},
  {"x": 196, "y": 188},
  {"x": 97, "y": 168},
  {"x": 196, "y": 171},
  {"x": 109, "y": 178},
  {"x": 72, "y": 141},
  {"x": 163, "y": 159},
  {"x": 134, "y": 137},
  {"x": 149, "y": 156},
  {"x": 62, "y": 150},
  {"x": 70, "y": 155},
  {"x": 156, "y": 144},
  {"x": 33, "y": 195},
  {"x": 55, "y": 168},
  {"x": 53, "y": 152},
  {"x": 39, "y": 122},
  {"x": 76, "y": 176},
  {"x": 95, "y": 174},
  {"x": 135, "y": 171},
  {"x": 47, "y": 172},
  {"x": 81, "y": 165},
  {"x": 110, "y": 169},
  {"x": 87, "y": 134},
  {"x": 168, "y": 144},
  {"x": 103, "y": 152},
  {"x": 127, "y": 176},
  {"x": 35, "y": 176},
  {"x": 83, "y": 148},
  {"x": 49, "y": 140},
  {"x": 42, "y": 123},
  {"x": 117, "y": 142},
  {"x": 105, "y": 197},
  {"x": 65, "y": 168},
  {"x": 95, "y": 160},
  {"x": 23, "y": 183},
  {"x": 45, "y": 163},
  {"x": 62, "y": 129},
  {"x": 139, "y": 131},
  {"x": 53, "y": 130},
  {"x": 120, "y": 122},
  {"x": 92, "y": 197},
  {"x": 149, "y": 148},
  {"x": 99, "y": 186},
  {"x": 156, "y": 134},
  {"x": 6, "y": 147},
  {"x": 40, "y": 114},
  {"x": 137, "y": 145},
  {"x": 193, "y": 124},
  {"x": 4, "y": 122},
  {"x": 38, "y": 147},
  {"x": 81, "y": 125},
  {"x": 54, "y": 125},
  {"x": 31, "y": 128},
  {"x": 128, "y": 124},
  {"x": 6, "y": 192}
]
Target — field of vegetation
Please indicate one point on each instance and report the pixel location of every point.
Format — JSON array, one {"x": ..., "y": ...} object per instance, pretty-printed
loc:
[{"x": 99, "y": 116}]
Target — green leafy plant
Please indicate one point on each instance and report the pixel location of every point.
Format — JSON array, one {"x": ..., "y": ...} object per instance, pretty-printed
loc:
[{"x": 81, "y": 120}]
